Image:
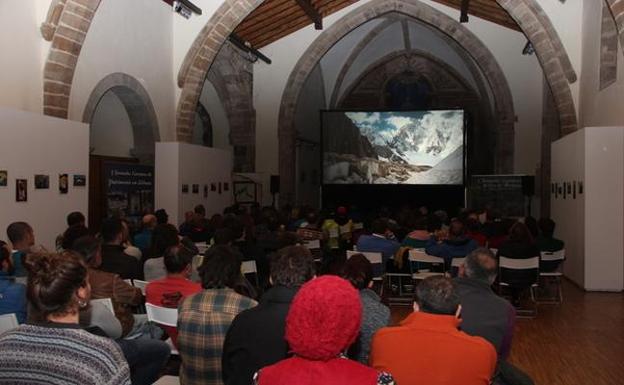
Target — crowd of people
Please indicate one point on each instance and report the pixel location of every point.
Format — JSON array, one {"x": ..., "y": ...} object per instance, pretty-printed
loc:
[{"x": 312, "y": 316}]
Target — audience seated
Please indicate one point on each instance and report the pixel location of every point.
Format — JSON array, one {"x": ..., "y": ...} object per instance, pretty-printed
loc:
[
  {"x": 418, "y": 238},
  {"x": 359, "y": 271},
  {"x": 164, "y": 237},
  {"x": 547, "y": 242},
  {"x": 256, "y": 337},
  {"x": 161, "y": 216},
  {"x": 22, "y": 238},
  {"x": 455, "y": 244},
  {"x": 204, "y": 317},
  {"x": 323, "y": 320},
  {"x": 12, "y": 294},
  {"x": 428, "y": 348},
  {"x": 519, "y": 245},
  {"x": 109, "y": 285},
  {"x": 473, "y": 230},
  {"x": 379, "y": 241},
  {"x": 54, "y": 349},
  {"x": 114, "y": 259},
  {"x": 71, "y": 234},
  {"x": 126, "y": 242},
  {"x": 143, "y": 240},
  {"x": 75, "y": 218},
  {"x": 196, "y": 225},
  {"x": 172, "y": 289},
  {"x": 487, "y": 315}
]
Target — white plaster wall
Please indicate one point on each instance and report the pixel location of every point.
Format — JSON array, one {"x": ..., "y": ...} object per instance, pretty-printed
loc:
[
  {"x": 604, "y": 208},
  {"x": 270, "y": 82},
  {"x": 32, "y": 144},
  {"x": 23, "y": 54},
  {"x": 111, "y": 132},
  {"x": 133, "y": 37},
  {"x": 182, "y": 163},
  {"x": 524, "y": 76},
  {"x": 598, "y": 108},
  {"x": 568, "y": 164},
  {"x": 220, "y": 123}
]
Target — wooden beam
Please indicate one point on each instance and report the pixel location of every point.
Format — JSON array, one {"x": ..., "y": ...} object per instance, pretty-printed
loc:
[
  {"x": 312, "y": 13},
  {"x": 463, "y": 17}
]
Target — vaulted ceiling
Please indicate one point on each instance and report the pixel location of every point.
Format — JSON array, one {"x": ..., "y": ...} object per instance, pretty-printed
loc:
[{"x": 275, "y": 19}]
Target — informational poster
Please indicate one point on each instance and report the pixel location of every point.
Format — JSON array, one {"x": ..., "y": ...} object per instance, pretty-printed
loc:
[
  {"x": 129, "y": 189},
  {"x": 503, "y": 193}
]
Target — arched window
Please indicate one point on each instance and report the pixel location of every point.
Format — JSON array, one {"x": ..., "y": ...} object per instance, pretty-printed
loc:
[{"x": 408, "y": 91}]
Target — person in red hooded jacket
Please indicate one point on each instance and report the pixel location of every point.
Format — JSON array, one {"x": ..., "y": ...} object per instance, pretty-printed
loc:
[{"x": 323, "y": 321}]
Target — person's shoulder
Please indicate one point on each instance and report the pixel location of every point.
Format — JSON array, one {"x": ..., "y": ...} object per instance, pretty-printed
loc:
[
  {"x": 475, "y": 344},
  {"x": 390, "y": 332}
]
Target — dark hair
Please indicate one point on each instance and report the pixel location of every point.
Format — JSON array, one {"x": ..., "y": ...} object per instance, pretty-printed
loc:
[
  {"x": 420, "y": 223},
  {"x": 520, "y": 233},
  {"x": 292, "y": 266},
  {"x": 437, "y": 295},
  {"x": 456, "y": 228},
  {"x": 531, "y": 224},
  {"x": 200, "y": 209},
  {"x": 17, "y": 231},
  {"x": 75, "y": 218},
  {"x": 237, "y": 229},
  {"x": 164, "y": 237},
  {"x": 72, "y": 233},
  {"x": 177, "y": 258},
  {"x": 111, "y": 228},
  {"x": 379, "y": 226},
  {"x": 287, "y": 238},
  {"x": 161, "y": 216},
  {"x": 52, "y": 282},
  {"x": 87, "y": 247},
  {"x": 481, "y": 265},
  {"x": 221, "y": 267},
  {"x": 358, "y": 270},
  {"x": 547, "y": 227},
  {"x": 222, "y": 236}
]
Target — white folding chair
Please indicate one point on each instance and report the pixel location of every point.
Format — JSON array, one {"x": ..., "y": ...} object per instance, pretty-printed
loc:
[
  {"x": 163, "y": 316},
  {"x": 512, "y": 264},
  {"x": 554, "y": 276},
  {"x": 456, "y": 263},
  {"x": 140, "y": 284},
  {"x": 168, "y": 380},
  {"x": 417, "y": 256},
  {"x": 313, "y": 244},
  {"x": 106, "y": 302},
  {"x": 128, "y": 281},
  {"x": 494, "y": 251},
  {"x": 249, "y": 267},
  {"x": 202, "y": 247},
  {"x": 8, "y": 322}
]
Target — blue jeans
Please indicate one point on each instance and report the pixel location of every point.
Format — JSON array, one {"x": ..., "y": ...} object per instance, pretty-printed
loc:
[{"x": 146, "y": 358}]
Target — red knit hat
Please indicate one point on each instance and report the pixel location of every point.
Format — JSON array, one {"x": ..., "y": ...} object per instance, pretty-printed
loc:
[{"x": 324, "y": 318}]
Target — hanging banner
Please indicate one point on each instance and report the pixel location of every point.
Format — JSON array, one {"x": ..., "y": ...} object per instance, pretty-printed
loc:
[{"x": 129, "y": 190}]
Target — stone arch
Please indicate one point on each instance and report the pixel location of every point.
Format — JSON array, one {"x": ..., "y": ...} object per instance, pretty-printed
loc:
[
  {"x": 200, "y": 56},
  {"x": 417, "y": 10},
  {"x": 138, "y": 106},
  {"x": 66, "y": 25},
  {"x": 538, "y": 29}
]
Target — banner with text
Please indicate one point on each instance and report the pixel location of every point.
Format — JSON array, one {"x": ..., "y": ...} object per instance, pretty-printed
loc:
[{"x": 129, "y": 189}]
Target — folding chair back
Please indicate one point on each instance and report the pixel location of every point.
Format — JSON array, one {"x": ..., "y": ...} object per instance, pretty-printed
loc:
[
  {"x": 162, "y": 315},
  {"x": 140, "y": 284},
  {"x": 376, "y": 259},
  {"x": 106, "y": 302},
  {"x": 422, "y": 263},
  {"x": 8, "y": 322}
]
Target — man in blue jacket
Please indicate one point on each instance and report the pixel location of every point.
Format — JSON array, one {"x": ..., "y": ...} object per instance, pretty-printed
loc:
[
  {"x": 456, "y": 245},
  {"x": 12, "y": 294}
]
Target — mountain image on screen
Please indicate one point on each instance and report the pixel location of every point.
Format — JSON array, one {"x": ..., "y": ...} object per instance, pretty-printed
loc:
[{"x": 419, "y": 147}]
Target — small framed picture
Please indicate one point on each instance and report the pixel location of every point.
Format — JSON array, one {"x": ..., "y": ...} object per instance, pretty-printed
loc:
[
  {"x": 4, "y": 178},
  {"x": 184, "y": 189},
  {"x": 569, "y": 186},
  {"x": 574, "y": 190},
  {"x": 80, "y": 180},
  {"x": 42, "y": 182},
  {"x": 63, "y": 183},
  {"x": 226, "y": 186},
  {"x": 205, "y": 191},
  {"x": 195, "y": 189},
  {"x": 580, "y": 187},
  {"x": 213, "y": 187},
  {"x": 220, "y": 188},
  {"x": 21, "y": 190}
]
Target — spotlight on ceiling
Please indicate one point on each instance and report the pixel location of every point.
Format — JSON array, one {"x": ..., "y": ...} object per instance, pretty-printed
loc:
[{"x": 528, "y": 49}]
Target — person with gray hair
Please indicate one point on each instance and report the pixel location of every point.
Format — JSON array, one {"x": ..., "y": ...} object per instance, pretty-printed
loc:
[{"x": 485, "y": 314}]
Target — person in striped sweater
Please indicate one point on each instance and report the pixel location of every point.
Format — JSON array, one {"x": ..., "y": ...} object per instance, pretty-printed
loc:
[{"x": 53, "y": 348}]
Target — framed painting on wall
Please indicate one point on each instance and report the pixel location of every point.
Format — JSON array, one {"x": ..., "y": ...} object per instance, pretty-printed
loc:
[
  {"x": 4, "y": 178},
  {"x": 245, "y": 192},
  {"x": 21, "y": 190}
]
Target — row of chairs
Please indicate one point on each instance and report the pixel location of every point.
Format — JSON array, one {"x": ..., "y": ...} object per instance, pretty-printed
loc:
[{"x": 423, "y": 265}]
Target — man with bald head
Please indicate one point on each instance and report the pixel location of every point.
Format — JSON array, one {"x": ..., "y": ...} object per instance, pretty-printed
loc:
[{"x": 143, "y": 240}]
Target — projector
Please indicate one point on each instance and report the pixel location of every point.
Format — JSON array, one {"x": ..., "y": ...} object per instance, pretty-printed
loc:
[{"x": 182, "y": 9}]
